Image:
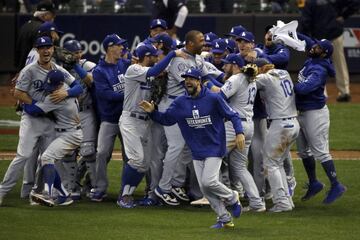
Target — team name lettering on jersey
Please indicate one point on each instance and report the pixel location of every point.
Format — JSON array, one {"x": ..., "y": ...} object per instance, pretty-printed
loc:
[
  {"x": 38, "y": 85},
  {"x": 301, "y": 77},
  {"x": 198, "y": 122}
]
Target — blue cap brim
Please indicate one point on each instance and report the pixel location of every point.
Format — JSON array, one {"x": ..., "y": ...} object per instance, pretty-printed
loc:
[
  {"x": 225, "y": 61},
  {"x": 185, "y": 75},
  {"x": 217, "y": 51}
]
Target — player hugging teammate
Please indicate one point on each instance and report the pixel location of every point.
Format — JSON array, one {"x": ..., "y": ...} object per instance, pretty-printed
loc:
[{"x": 182, "y": 113}]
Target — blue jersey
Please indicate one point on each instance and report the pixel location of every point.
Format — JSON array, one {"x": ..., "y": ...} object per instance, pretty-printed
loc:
[
  {"x": 311, "y": 83},
  {"x": 109, "y": 89},
  {"x": 201, "y": 121},
  {"x": 277, "y": 54}
]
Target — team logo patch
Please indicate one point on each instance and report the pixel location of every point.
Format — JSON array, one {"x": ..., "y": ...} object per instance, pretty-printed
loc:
[
  {"x": 182, "y": 67},
  {"x": 195, "y": 113}
]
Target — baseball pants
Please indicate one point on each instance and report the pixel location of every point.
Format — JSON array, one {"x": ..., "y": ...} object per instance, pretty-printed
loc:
[{"x": 207, "y": 173}]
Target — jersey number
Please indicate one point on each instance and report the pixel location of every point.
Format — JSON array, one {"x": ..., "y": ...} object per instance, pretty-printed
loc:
[
  {"x": 286, "y": 86},
  {"x": 252, "y": 94}
]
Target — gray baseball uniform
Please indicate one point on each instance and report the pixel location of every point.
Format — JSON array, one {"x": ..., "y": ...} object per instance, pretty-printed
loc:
[
  {"x": 279, "y": 97},
  {"x": 88, "y": 146},
  {"x": 175, "y": 141},
  {"x": 33, "y": 130},
  {"x": 241, "y": 95}
]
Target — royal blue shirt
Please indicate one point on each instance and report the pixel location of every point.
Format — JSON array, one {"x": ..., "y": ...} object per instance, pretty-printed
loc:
[
  {"x": 109, "y": 89},
  {"x": 277, "y": 54},
  {"x": 201, "y": 121}
]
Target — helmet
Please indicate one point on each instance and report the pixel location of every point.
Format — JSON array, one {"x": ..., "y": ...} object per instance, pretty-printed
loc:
[{"x": 72, "y": 45}]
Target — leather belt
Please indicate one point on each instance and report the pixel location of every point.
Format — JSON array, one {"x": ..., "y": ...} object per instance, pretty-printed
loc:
[
  {"x": 138, "y": 116},
  {"x": 67, "y": 129}
]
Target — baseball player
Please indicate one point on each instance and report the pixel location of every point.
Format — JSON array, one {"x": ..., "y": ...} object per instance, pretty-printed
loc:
[
  {"x": 209, "y": 38},
  {"x": 240, "y": 90},
  {"x": 277, "y": 91},
  {"x": 200, "y": 116},
  {"x": 46, "y": 29},
  {"x": 68, "y": 138},
  {"x": 313, "y": 141},
  {"x": 134, "y": 122},
  {"x": 35, "y": 130},
  {"x": 218, "y": 52},
  {"x": 82, "y": 70},
  {"x": 109, "y": 90},
  {"x": 194, "y": 42}
]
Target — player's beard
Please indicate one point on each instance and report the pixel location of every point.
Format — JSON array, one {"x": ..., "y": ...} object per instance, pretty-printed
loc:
[
  {"x": 192, "y": 90},
  {"x": 313, "y": 54}
]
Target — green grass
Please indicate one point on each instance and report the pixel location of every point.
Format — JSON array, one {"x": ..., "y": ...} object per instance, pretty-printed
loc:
[
  {"x": 87, "y": 220},
  {"x": 344, "y": 128}
]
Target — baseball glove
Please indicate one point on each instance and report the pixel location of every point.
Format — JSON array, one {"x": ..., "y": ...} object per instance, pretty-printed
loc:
[{"x": 158, "y": 88}]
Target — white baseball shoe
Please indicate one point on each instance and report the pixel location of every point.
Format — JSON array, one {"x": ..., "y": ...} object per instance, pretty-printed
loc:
[
  {"x": 42, "y": 199},
  {"x": 180, "y": 194},
  {"x": 256, "y": 210},
  {"x": 200, "y": 202}
]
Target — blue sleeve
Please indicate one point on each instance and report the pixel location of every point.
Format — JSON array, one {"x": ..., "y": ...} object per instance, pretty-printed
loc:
[
  {"x": 213, "y": 80},
  {"x": 309, "y": 42},
  {"x": 166, "y": 118},
  {"x": 160, "y": 66},
  {"x": 281, "y": 57},
  {"x": 103, "y": 90},
  {"x": 75, "y": 89},
  {"x": 220, "y": 77},
  {"x": 32, "y": 109},
  {"x": 313, "y": 81},
  {"x": 228, "y": 113},
  {"x": 80, "y": 71}
]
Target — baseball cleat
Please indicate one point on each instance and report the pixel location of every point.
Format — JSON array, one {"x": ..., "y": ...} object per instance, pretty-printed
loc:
[
  {"x": 277, "y": 209},
  {"x": 147, "y": 201},
  {"x": 76, "y": 196},
  {"x": 42, "y": 199},
  {"x": 236, "y": 207},
  {"x": 126, "y": 201},
  {"x": 200, "y": 202},
  {"x": 64, "y": 201},
  {"x": 220, "y": 224},
  {"x": 256, "y": 210},
  {"x": 168, "y": 198},
  {"x": 334, "y": 193},
  {"x": 180, "y": 194},
  {"x": 97, "y": 196},
  {"x": 313, "y": 189}
]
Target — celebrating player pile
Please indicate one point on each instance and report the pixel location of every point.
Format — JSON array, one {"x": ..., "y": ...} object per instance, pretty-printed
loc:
[{"x": 189, "y": 117}]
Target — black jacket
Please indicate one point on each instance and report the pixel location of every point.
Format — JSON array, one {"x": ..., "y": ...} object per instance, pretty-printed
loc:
[
  {"x": 25, "y": 40},
  {"x": 318, "y": 18}
]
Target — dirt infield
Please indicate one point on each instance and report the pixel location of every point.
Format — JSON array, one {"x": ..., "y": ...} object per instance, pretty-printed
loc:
[{"x": 8, "y": 100}]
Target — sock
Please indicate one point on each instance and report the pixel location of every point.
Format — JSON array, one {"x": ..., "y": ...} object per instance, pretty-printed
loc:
[
  {"x": 49, "y": 177},
  {"x": 59, "y": 186},
  {"x": 329, "y": 168},
  {"x": 130, "y": 180},
  {"x": 310, "y": 168}
]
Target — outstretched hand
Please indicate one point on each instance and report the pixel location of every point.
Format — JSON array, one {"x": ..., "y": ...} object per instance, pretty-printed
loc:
[{"x": 147, "y": 106}]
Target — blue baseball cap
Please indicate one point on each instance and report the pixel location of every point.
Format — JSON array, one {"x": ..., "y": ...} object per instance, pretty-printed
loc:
[
  {"x": 231, "y": 45},
  {"x": 113, "y": 39},
  {"x": 247, "y": 36},
  {"x": 47, "y": 27},
  {"x": 43, "y": 41},
  {"x": 165, "y": 39},
  {"x": 233, "y": 58},
  {"x": 158, "y": 23},
  {"x": 146, "y": 50},
  {"x": 209, "y": 38},
  {"x": 326, "y": 46},
  {"x": 236, "y": 31},
  {"x": 53, "y": 79},
  {"x": 192, "y": 73},
  {"x": 218, "y": 46},
  {"x": 72, "y": 45}
]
